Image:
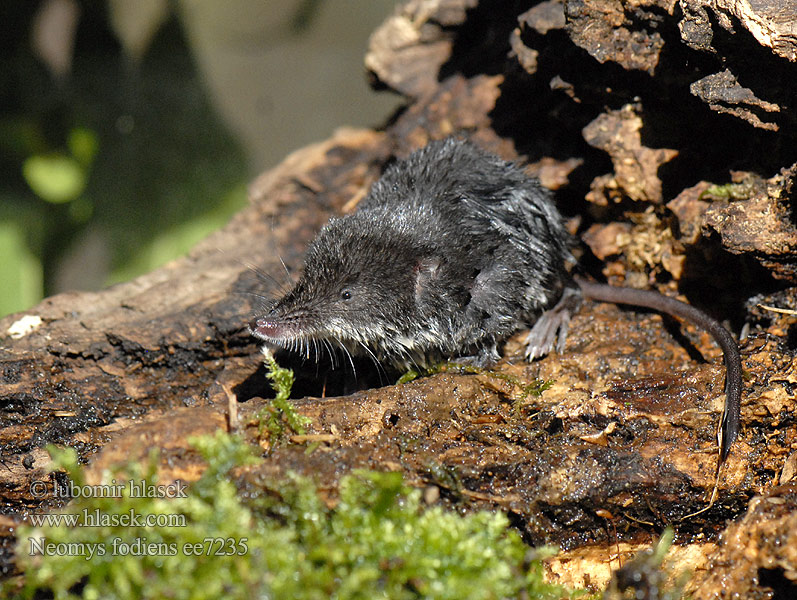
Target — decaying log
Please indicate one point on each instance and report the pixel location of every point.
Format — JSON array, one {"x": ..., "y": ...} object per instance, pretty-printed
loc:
[{"x": 665, "y": 190}]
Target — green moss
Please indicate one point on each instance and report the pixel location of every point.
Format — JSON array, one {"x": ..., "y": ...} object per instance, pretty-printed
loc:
[
  {"x": 730, "y": 191},
  {"x": 377, "y": 542},
  {"x": 280, "y": 415},
  {"x": 120, "y": 559}
]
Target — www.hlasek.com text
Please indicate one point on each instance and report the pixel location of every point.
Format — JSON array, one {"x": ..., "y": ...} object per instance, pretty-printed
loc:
[{"x": 97, "y": 518}]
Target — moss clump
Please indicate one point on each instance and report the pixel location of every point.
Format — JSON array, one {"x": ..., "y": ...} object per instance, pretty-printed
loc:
[
  {"x": 377, "y": 542},
  {"x": 730, "y": 191},
  {"x": 202, "y": 547},
  {"x": 280, "y": 415}
]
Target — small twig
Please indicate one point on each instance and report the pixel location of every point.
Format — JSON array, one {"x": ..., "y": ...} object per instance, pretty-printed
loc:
[
  {"x": 313, "y": 437},
  {"x": 233, "y": 424},
  {"x": 783, "y": 311}
]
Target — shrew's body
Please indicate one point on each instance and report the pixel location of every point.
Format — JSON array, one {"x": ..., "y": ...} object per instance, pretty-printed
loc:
[{"x": 452, "y": 251}]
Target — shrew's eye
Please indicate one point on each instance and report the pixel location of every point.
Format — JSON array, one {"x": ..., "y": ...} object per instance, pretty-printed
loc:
[{"x": 345, "y": 294}]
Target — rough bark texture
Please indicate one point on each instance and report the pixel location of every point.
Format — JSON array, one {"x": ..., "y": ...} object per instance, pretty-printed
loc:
[{"x": 668, "y": 131}]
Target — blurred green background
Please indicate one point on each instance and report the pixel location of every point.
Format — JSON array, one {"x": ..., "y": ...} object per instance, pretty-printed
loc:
[{"x": 129, "y": 129}]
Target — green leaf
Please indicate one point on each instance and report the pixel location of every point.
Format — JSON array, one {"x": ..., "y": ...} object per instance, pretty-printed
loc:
[
  {"x": 20, "y": 269},
  {"x": 55, "y": 178},
  {"x": 83, "y": 145}
]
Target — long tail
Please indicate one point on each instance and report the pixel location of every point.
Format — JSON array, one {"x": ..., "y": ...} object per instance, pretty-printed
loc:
[{"x": 729, "y": 425}]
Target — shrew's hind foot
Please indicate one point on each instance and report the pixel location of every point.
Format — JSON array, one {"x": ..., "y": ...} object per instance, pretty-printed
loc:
[{"x": 550, "y": 330}]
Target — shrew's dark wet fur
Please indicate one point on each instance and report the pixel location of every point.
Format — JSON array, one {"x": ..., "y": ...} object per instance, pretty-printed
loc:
[{"x": 452, "y": 251}]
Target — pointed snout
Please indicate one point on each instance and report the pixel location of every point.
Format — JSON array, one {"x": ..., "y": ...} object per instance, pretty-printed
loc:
[{"x": 263, "y": 328}]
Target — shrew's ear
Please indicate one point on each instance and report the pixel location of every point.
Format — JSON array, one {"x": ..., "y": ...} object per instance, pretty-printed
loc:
[{"x": 426, "y": 270}]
